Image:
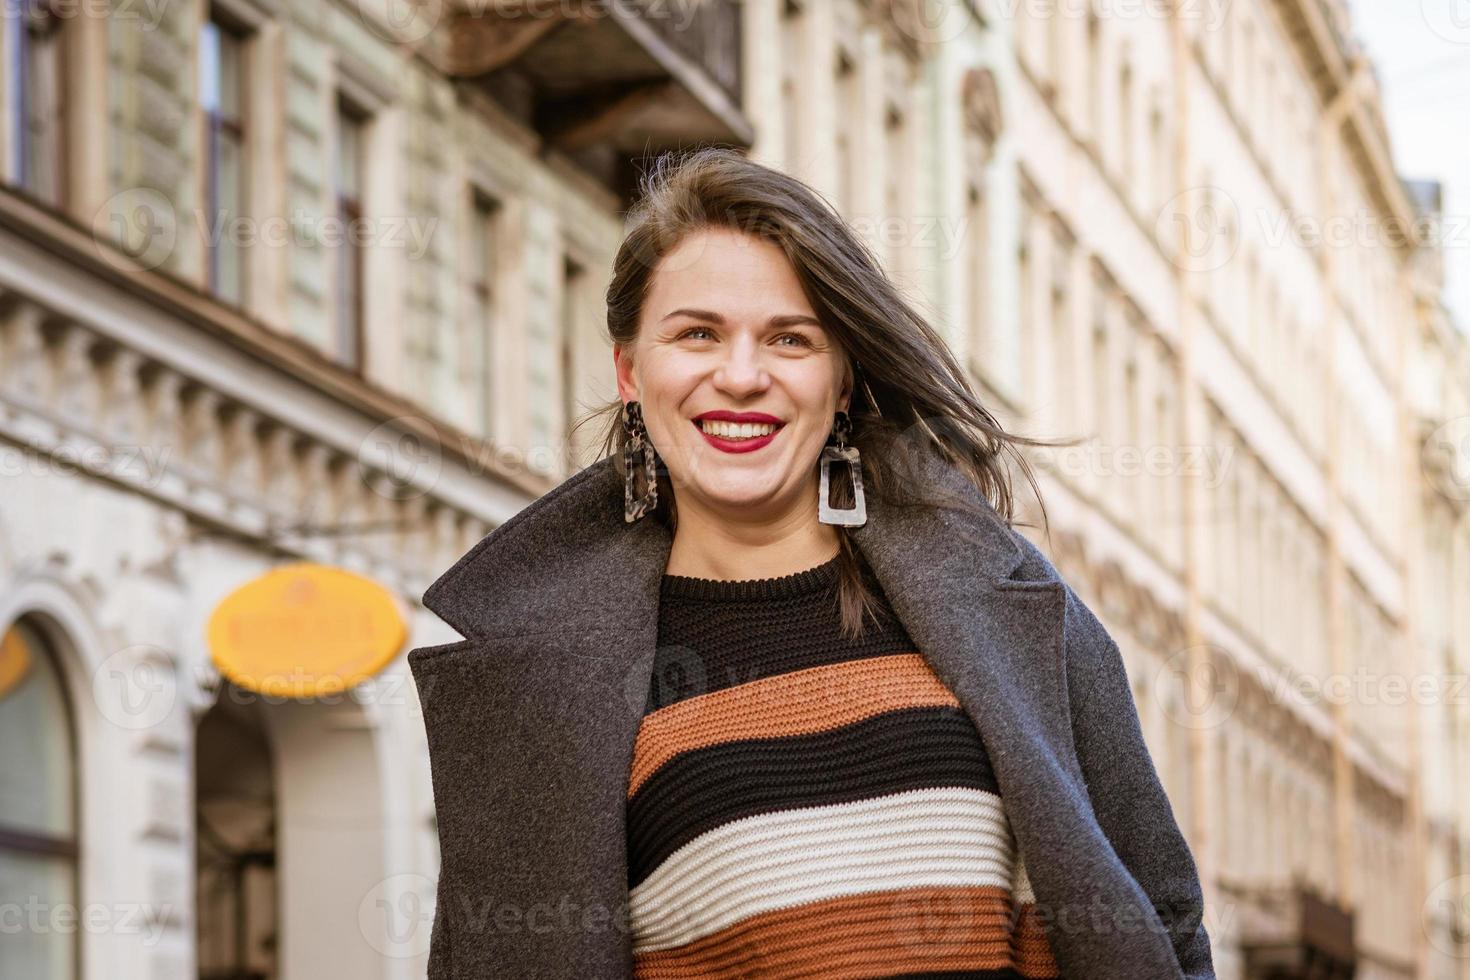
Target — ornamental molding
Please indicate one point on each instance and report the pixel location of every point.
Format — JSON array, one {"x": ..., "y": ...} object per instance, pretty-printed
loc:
[{"x": 78, "y": 399}]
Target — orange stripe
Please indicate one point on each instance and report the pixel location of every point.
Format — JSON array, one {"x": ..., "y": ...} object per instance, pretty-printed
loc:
[
  {"x": 864, "y": 935},
  {"x": 796, "y": 702}
]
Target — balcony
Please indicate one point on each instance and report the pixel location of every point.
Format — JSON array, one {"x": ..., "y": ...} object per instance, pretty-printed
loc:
[
  {"x": 1302, "y": 937},
  {"x": 604, "y": 83}
]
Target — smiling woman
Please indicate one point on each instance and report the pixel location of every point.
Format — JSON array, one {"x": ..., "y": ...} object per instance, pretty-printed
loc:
[
  {"x": 740, "y": 297},
  {"x": 874, "y": 737}
]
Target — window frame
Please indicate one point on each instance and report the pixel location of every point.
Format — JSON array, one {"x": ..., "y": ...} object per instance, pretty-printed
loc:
[
  {"x": 21, "y": 43},
  {"x": 43, "y": 645},
  {"x": 487, "y": 214},
  {"x": 215, "y": 128},
  {"x": 349, "y": 329}
]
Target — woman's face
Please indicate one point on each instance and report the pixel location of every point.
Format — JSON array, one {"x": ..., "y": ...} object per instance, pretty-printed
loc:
[{"x": 726, "y": 329}]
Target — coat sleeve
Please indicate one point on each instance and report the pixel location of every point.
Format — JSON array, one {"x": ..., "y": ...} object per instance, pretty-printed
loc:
[{"x": 1123, "y": 784}]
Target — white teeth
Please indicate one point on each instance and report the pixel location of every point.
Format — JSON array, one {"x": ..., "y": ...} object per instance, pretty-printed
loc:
[{"x": 737, "y": 430}]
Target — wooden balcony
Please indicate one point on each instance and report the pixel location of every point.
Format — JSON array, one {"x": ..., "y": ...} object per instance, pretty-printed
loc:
[
  {"x": 606, "y": 82},
  {"x": 1303, "y": 936}
]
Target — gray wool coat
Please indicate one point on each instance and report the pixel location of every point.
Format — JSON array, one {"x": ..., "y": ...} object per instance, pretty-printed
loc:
[{"x": 531, "y": 720}]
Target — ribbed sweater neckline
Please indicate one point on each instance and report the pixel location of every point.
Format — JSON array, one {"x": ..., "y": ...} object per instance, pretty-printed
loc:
[{"x": 805, "y": 582}]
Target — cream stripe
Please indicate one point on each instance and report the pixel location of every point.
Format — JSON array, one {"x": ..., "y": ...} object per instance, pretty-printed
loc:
[{"x": 947, "y": 837}]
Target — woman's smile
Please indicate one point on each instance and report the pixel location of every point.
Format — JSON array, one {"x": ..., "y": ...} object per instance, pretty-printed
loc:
[{"x": 738, "y": 432}]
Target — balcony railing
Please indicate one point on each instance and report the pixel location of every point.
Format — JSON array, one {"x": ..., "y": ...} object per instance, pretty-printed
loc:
[{"x": 608, "y": 82}]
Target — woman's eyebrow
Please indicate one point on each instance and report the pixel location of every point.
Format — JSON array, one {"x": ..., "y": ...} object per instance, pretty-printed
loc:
[{"x": 781, "y": 320}]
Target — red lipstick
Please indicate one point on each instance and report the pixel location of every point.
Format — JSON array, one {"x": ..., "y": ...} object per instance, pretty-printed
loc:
[
  {"x": 720, "y": 415},
  {"x": 738, "y": 445}
]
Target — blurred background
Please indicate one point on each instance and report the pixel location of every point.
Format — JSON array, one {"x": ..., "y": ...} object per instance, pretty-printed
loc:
[{"x": 289, "y": 286}]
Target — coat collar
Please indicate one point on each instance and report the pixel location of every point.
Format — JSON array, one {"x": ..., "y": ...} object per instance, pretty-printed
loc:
[{"x": 575, "y": 535}]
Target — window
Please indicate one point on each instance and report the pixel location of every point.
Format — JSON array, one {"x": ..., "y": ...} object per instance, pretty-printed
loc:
[
  {"x": 1102, "y": 379},
  {"x": 1158, "y": 153},
  {"x": 897, "y": 183},
  {"x": 792, "y": 38},
  {"x": 481, "y": 345},
  {"x": 38, "y": 832},
  {"x": 1095, "y": 78},
  {"x": 237, "y": 891},
  {"x": 38, "y": 103},
  {"x": 1125, "y": 131},
  {"x": 576, "y": 315},
  {"x": 221, "y": 95},
  {"x": 976, "y": 270},
  {"x": 1062, "y": 351},
  {"x": 849, "y": 123},
  {"x": 351, "y": 137}
]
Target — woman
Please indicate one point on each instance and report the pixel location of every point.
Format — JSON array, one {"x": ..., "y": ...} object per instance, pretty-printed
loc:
[{"x": 711, "y": 718}]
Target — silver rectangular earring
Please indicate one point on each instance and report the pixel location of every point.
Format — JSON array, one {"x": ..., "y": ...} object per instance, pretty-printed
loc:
[{"x": 857, "y": 514}]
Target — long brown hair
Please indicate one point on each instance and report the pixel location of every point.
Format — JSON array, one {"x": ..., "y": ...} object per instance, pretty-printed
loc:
[{"x": 907, "y": 387}]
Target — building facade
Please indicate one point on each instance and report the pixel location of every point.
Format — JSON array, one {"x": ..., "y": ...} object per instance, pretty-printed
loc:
[
  {"x": 303, "y": 280},
  {"x": 1173, "y": 235}
]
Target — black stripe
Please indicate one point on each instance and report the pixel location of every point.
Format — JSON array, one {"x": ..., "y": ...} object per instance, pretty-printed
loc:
[
  {"x": 709, "y": 647},
  {"x": 699, "y": 789}
]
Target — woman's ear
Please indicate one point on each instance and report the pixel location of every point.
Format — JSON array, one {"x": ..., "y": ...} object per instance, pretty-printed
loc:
[{"x": 623, "y": 370}]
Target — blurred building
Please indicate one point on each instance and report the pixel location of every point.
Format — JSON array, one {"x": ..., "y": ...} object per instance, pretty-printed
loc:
[
  {"x": 323, "y": 281},
  {"x": 1200, "y": 260}
]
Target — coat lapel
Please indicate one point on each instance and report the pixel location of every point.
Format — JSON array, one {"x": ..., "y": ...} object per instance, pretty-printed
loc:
[{"x": 531, "y": 723}]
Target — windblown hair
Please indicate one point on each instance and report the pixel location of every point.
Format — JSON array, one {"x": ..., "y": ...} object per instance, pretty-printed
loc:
[{"x": 909, "y": 391}]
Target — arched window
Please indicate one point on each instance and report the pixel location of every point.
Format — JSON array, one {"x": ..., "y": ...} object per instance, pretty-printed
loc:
[{"x": 38, "y": 813}]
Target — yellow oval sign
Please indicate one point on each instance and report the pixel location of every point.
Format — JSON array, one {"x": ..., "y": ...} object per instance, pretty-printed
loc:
[
  {"x": 305, "y": 630},
  {"x": 15, "y": 659}
]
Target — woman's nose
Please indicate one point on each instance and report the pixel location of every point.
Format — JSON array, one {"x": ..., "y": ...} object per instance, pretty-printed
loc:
[{"x": 741, "y": 369}]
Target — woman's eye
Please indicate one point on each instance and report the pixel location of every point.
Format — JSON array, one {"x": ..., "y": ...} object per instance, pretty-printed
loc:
[
  {"x": 794, "y": 336},
  {"x": 693, "y": 330}
]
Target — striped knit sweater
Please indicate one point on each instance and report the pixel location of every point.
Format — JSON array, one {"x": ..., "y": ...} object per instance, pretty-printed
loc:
[{"x": 801, "y": 805}]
